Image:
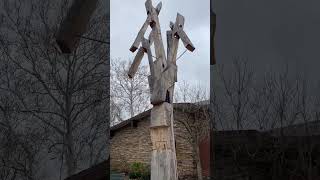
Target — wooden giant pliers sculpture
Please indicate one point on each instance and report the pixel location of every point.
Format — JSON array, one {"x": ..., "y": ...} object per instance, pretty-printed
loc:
[{"x": 163, "y": 75}]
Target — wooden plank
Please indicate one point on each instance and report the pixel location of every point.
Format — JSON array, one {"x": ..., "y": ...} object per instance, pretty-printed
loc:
[
  {"x": 145, "y": 26},
  {"x": 174, "y": 172},
  {"x": 161, "y": 165},
  {"x": 164, "y": 81},
  {"x": 171, "y": 25},
  {"x": 172, "y": 56},
  {"x": 146, "y": 46},
  {"x": 158, "y": 95},
  {"x": 150, "y": 81},
  {"x": 170, "y": 75},
  {"x": 155, "y": 25},
  {"x": 161, "y": 115},
  {"x": 179, "y": 24},
  {"x": 136, "y": 62},
  {"x": 151, "y": 38},
  {"x": 140, "y": 36},
  {"x": 158, "y": 7},
  {"x": 186, "y": 41},
  {"x": 149, "y": 7},
  {"x": 160, "y": 138},
  {"x": 169, "y": 44}
]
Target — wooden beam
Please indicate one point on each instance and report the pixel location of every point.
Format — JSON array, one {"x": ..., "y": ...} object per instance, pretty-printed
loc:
[
  {"x": 161, "y": 115},
  {"x": 158, "y": 7},
  {"x": 158, "y": 95},
  {"x": 146, "y": 46},
  {"x": 171, "y": 25},
  {"x": 155, "y": 25},
  {"x": 148, "y": 6},
  {"x": 186, "y": 41},
  {"x": 169, "y": 44},
  {"x": 136, "y": 62},
  {"x": 178, "y": 31},
  {"x": 142, "y": 30},
  {"x": 179, "y": 24},
  {"x": 151, "y": 37},
  {"x": 140, "y": 36}
]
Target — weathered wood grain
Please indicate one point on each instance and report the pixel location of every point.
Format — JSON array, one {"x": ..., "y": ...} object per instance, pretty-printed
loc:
[
  {"x": 161, "y": 82},
  {"x": 161, "y": 165},
  {"x": 169, "y": 43},
  {"x": 146, "y": 46},
  {"x": 161, "y": 115},
  {"x": 136, "y": 62},
  {"x": 186, "y": 41},
  {"x": 160, "y": 138},
  {"x": 158, "y": 95},
  {"x": 158, "y": 7},
  {"x": 140, "y": 36},
  {"x": 179, "y": 24},
  {"x": 155, "y": 25}
]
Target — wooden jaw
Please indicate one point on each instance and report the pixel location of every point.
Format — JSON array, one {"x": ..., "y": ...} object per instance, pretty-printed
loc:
[
  {"x": 163, "y": 70},
  {"x": 149, "y": 21},
  {"x": 178, "y": 32}
]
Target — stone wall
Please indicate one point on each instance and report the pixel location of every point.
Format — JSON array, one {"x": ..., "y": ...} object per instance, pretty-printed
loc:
[{"x": 133, "y": 144}]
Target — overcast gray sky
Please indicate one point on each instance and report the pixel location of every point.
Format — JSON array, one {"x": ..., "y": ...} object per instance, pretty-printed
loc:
[
  {"x": 270, "y": 33},
  {"x": 127, "y": 17}
]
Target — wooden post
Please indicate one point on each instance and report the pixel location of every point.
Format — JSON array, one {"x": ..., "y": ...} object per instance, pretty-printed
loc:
[{"x": 161, "y": 81}]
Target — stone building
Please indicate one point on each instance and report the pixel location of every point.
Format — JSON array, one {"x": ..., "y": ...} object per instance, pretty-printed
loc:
[{"x": 131, "y": 142}]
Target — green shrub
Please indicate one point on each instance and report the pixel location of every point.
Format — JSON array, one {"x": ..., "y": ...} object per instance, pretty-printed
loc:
[{"x": 139, "y": 170}]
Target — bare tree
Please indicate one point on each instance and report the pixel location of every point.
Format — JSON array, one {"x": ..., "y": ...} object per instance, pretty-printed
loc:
[
  {"x": 283, "y": 101},
  {"x": 237, "y": 88},
  {"x": 20, "y": 140},
  {"x": 196, "y": 120},
  {"x": 130, "y": 96},
  {"x": 65, "y": 94},
  {"x": 275, "y": 105}
]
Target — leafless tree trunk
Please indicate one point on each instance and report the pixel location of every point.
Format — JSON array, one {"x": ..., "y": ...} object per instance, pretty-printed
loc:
[
  {"x": 131, "y": 96},
  {"x": 196, "y": 122},
  {"x": 237, "y": 88},
  {"x": 281, "y": 100},
  {"x": 66, "y": 94},
  {"x": 18, "y": 149}
]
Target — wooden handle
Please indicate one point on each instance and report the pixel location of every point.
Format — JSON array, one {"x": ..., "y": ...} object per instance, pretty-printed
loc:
[{"x": 136, "y": 62}]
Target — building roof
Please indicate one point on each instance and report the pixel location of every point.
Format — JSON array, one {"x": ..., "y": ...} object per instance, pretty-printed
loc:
[
  {"x": 97, "y": 172},
  {"x": 313, "y": 128},
  {"x": 177, "y": 106}
]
